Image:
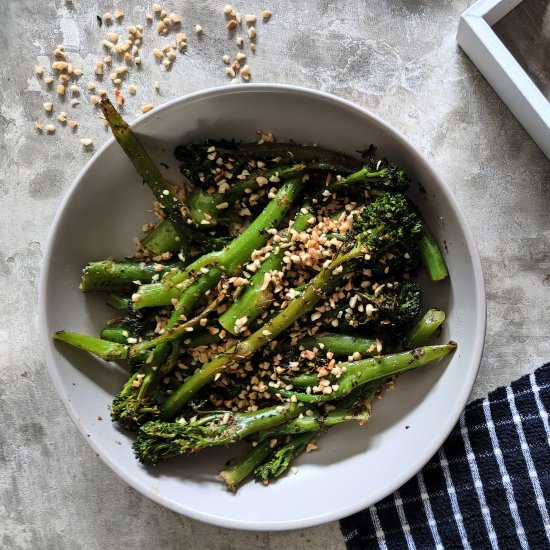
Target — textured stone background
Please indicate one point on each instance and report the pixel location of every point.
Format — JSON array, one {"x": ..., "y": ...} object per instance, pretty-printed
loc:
[{"x": 396, "y": 57}]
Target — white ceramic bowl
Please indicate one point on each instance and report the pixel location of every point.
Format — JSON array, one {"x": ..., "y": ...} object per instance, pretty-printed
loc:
[{"x": 354, "y": 466}]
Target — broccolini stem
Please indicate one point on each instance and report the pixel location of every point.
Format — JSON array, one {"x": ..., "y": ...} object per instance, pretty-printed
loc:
[
  {"x": 297, "y": 153},
  {"x": 109, "y": 351},
  {"x": 161, "y": 440},
  {"x": 108, "y": 275},
  {"x": 205, "y": 205},
  {"x": 119, "y": 301},
  {"x": 241, "y": 188},
  {"x": 383, "y": 176},
  {"x": 162, "y": 238},
  {"x": 341, "y": 345},
  {"x": 173, "y": 330},
  {"x": 432, "y": 258},
  {"x": 425, "y": 328},
  {"x": 355, "y": 406},
  {"x": 172, "y": 285},
  {"x": 238, "y": 252},
  {"x": 115, "y": 333},
  {"x": 257, "y": 296},
  {"x": 148, "y": 170},
  {"x": 236, "y": 473},
  {"x": 360, "y": 372}
]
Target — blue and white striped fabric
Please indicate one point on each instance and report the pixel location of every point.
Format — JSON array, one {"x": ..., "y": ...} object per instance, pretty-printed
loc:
[{"x": 487, "y": 487}]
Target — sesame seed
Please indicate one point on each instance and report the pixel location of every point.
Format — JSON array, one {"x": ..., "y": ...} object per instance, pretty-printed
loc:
[
  {"x": 146, "y": 108},
  {"x": 198, "y": 29},
  {"x": 251, "y": 33},
  {"x": 266, "y": 14},
  {"x": 50, "y": 128}
]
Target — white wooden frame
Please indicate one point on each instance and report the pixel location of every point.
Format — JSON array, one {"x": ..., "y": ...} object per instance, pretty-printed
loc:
[{"x": 480, "y": 43}]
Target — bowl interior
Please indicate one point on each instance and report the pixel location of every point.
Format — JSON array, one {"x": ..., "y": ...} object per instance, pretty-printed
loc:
[{"x": 355, "y": 466}]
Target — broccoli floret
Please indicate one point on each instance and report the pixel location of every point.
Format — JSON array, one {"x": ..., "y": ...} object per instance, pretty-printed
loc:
[{"x": 281, "y": 460}]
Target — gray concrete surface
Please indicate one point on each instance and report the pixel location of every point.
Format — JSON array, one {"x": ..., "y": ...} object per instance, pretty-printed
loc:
[{"x": 396, "y": 57}]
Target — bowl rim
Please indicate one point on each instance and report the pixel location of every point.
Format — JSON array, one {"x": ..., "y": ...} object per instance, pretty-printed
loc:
[{"x": 421, "y": 458}]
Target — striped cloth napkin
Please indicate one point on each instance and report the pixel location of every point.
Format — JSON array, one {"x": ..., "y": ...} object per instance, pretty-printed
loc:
[{"x": 487, "y": 487}]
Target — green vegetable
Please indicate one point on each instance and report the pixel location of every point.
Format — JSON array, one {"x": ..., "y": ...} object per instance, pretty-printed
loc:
[
  {"x": 389, "y": 220},
  {"x": 235, "y": 474},
  {"x": 283, "y": 457},
  {"x": 425, "y": 328},
  {"x": 257, "y": 296},
  {"x": 432, "y": 258},
  {"x": 234, "y": 255},
  {"x": 148, "y": 170},
  {"x": 109, "y": 276},
  {"x": 159, "y": 441},
  {"x": 361, "y": 372}
]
